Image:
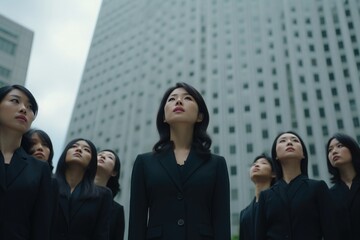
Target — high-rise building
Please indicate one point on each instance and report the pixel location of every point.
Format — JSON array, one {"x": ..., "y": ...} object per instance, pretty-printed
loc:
[
  {"x": 15, "y": 49},
  {"x": 262, "y": 67}
]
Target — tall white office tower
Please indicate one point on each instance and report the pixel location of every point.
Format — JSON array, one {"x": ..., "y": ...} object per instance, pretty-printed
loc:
[
  {"x": 262, "y": 67},
  {"x": 15, "y": 49}
]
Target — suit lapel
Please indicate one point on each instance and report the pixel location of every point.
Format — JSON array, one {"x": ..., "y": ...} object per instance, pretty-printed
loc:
[
  {"x": 2, "y": 173},
  {"x": 355, "y": 187},
  {"x": 64, "y": 206},
  {"x": 17, "y": 165},
  {"x": 168, "y": 161},
  {"x": 295, "y": 186},
  {"x": 193, "y": 162},
  {"x": 279, "y": 189}
]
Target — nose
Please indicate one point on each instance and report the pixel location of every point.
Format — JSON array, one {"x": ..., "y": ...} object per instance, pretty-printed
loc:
[
  {"x": 289, "y": 143},
  {"x": 39, "y": 147},
  {"x": 178, "y": 101},
  {"x": 23, "y": 108}
]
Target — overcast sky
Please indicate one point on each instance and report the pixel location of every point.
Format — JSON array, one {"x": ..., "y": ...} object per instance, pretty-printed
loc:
[{"x": 62, "y": 35}]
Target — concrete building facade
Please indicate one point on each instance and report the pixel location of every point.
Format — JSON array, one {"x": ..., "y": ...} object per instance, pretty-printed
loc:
[
  {"x": 262, "y": 67},
  {"x": 15, "y": 48}
]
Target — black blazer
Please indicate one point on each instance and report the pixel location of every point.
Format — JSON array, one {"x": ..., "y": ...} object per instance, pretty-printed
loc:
[
  {"x": 302, "y": 209},
  {"x": 82, "y": 217},
  {"x": 117, "y": 224},
  {"x": 348, "y": 201},
  {"x": 25, "y": 202},
  {"x": 247, "y": 221},
  {"x": 167, "y": 202}
]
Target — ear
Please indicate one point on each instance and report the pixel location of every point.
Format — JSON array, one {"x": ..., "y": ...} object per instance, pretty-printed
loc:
[
  {"x": 113, "y": 174},
  {"x": 200, "y": 117}
]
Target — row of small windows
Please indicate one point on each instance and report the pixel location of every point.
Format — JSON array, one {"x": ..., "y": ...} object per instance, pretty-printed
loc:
[{"x": 7, "y": 46}]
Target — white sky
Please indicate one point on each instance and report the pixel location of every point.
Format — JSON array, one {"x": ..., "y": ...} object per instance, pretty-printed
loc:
[{"x": 62, "y": 35}]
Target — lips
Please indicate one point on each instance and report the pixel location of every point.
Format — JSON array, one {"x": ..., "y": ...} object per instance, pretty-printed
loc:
[
  {"x": 290, "y": 149},
  {"x": 178, "y": 109},
  {"x": 335, "y": 158},
  {"x": 22, "y": 118},
  {"x": 39, "y": 155}
]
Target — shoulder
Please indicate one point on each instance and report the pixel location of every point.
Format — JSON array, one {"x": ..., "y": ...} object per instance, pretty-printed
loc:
[{"x": 103, "y": 191}]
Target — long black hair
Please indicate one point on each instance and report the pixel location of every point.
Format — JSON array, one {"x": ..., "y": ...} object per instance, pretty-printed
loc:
[
  {"x": 354, "y": 149},
  {"x": 277, "y": 164},
  {"x": 87, "y": 186},
  {"x": 113, "y": 182},
  {"x": 27, "y": 144},
  {"x": 201, "y": 140}
]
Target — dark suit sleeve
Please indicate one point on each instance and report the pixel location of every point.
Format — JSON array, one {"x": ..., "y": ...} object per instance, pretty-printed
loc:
[
  {"x": 119, "y": 222},
  {"x": 260, "y": 219},
  {"x": 102, "y": 228},
  {"x": 327, "y": 212},
  {"x": 42, "y": 212},
  {"x": 138, "y": 202},
  {"x": 241, "y": 225},
  {"x": 221, "y": 203}
]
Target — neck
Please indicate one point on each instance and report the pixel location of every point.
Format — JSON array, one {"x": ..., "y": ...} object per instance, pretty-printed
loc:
[
  {"x": 260, "y": 186},
  {"x": 182, "y": 136},
  {"x": 74, "y": 175},
  {"x": 291, "y": 169},
  {"x": 347, "y": 174},
  {"x": 101, "y": 178}
]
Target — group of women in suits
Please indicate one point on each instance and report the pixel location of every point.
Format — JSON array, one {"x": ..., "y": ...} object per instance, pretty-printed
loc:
[
  {"x": 296, "y": 207},
  {"x": 36, "y": 204}
]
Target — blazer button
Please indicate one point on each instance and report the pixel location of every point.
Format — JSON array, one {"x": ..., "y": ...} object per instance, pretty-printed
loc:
[
  {"x": 181, "y": 222},
  {"x": 180, "y": 196}
]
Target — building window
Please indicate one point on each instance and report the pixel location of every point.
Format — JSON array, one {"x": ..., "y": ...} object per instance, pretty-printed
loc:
[
  {"x": 356, "y": 122},
  {"x": 233, "y": 170},
  {"x": 232, "y": 149},
  {"x": 309, "y": 131},
  {"x": 340, "y": 123},
  {"x": 315, "y": 170},
  {"x": 307, "y": 113},
  {"x": 216, "y": 129},
  {"x": 325, "y": 130},
  {"x": 265, "y": 133},
  {"x": 231, "y": 129},
  {"x": 248, "y": 128},
  {"x": 312, "y": 149},
  {"x": 322, "y": 112},
  {"x": 249, "y": 148}
]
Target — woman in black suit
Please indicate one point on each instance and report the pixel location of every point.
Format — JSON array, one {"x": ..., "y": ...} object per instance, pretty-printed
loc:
[
  {"x": 263, "y": 176},
  {"x": 107, "y": 175},
  {"x": 24, "y": 181},
  {"x": 295, "y": 207},
  {"x": 180, "y": 190},
  {"x": 84, "y": 209},
  {"x": 343, "y": 161}
]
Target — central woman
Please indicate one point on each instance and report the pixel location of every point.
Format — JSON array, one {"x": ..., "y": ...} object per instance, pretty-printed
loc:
[{"x": 180, "y": 190}]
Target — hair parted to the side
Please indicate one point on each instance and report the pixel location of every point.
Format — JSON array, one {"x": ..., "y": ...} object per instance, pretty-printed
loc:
[
  {"x": 277, "y": 164},
  {"x": 113, "y": 182},
  {"x": 27, "y": 144},
  {"x": 88, "y": 186},
  {"x": 354, "y": 149},
  {"x": 6, "y": 89},
  {"x": 201, "y": 140}
]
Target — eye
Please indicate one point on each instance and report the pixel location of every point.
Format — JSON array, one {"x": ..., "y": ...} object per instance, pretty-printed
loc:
[
  {"x": 15, "y": 100},
  {"x": 188, "y": 98},
  {"x": 340, "y": 145},
  {"x": 171, "y": 99},
  {"x": 87, "y": 150}
]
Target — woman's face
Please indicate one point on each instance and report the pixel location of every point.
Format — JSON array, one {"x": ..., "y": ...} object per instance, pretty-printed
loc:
[
  {"x": 181, "y": 107},
  {"x": 79, "y": 154},
  {"x": 288, "y": 146},
  {"x": 261, "y": 170},
  {"x": 39, "y": 149},
  {"x": 106, "y": 162},
  {"x": 16, "y": 111},
  {"x": 338, "y": 154}
]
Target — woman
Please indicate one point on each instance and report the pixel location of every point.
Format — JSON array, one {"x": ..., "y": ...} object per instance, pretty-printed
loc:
[
  {"x": 295, "y": 207},
  {"x": 84, "y": 209},
  {"x": 107, "y": 175},
  {"x": 180, "y": 190},
  {"x": 263, "y": 176},
  {"x": 343, "y": 161},
  {"x": 24, "y": 181},
  {"x": 36, "y": 142}
]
